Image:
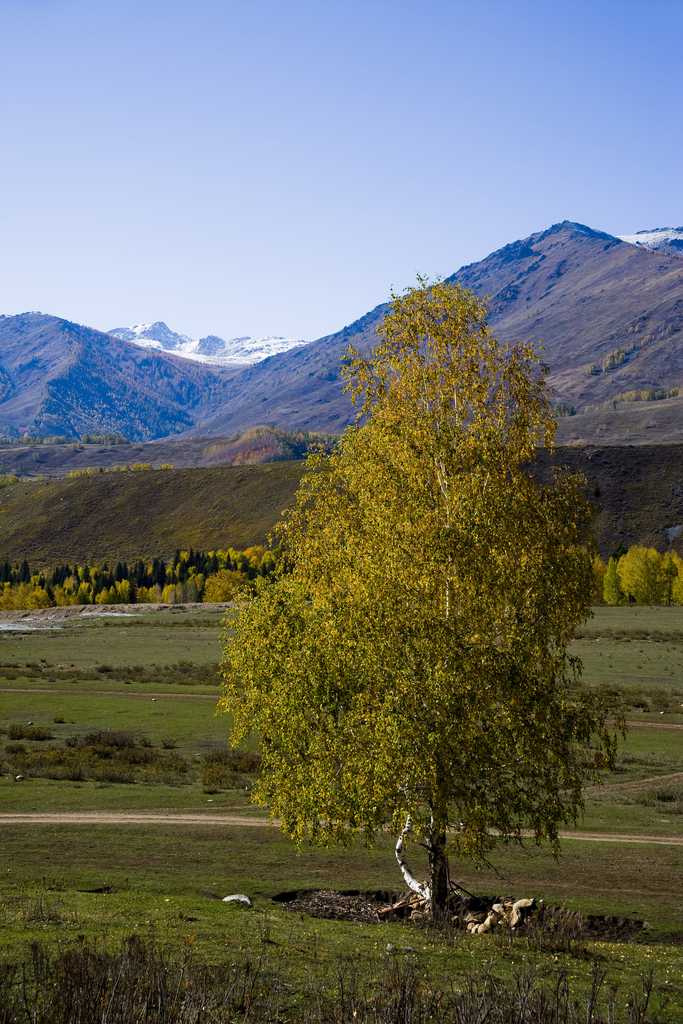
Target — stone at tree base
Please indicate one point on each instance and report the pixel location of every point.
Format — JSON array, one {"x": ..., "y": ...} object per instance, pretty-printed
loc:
[
  {"x": 238, "y": 897},
  {"x": 521, "y": 910}
]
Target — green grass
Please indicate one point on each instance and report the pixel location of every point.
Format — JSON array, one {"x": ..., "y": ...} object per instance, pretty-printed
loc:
[
  {"x": 634, "y": 619},
  {"x": 165, "y": 881},
  {"x": 145, "y": 638},
  {"x": 124, "y": 516},
  {"x": 165, "y": 875}
]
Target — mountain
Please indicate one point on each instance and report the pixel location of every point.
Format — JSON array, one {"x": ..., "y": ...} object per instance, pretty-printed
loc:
[
  {"x": 212, "y": 349},
  {"x": 58, "y": 377},
  {"x": 587, "y": 296},
  {"x": 609, "y": 312},
  {"x": 660, "y": 239}
]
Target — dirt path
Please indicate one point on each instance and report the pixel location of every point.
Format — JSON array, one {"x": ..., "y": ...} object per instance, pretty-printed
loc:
[
  {"x": 188, "y": 818},
  {"x": 648, "y": 725},
  {"x": 635, "y": 785},
  {"x": 128, "y": 818},
  {"x": 150, "y": 695}
]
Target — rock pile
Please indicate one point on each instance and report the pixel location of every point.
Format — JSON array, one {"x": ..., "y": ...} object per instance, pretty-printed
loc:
[
  {"x": 508, "y": 913},
  {"x": 478, "y": 916}
]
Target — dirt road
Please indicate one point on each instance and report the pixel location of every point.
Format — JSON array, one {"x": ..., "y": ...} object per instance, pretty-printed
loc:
[{"x": 227, "y": 820}]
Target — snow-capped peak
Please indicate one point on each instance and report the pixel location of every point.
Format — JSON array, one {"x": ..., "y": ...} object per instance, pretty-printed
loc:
[
  {"x": 143, "y": 334},
  {"x": 211, "y": 349},
  {"x": 666, "y": 239}
]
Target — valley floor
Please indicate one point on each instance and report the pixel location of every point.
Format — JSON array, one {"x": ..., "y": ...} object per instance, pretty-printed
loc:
[{"x": 155, "y": 854}]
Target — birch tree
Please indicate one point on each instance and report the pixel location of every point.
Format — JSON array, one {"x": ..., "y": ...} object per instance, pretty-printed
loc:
[{"x": 411, "y": 671}]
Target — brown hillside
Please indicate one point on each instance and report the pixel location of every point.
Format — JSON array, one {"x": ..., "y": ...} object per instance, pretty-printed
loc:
[
  {"x": 117, "y": 516},
  {"x": 257, "y": 445},
  {"x": 637, "y": 492}
]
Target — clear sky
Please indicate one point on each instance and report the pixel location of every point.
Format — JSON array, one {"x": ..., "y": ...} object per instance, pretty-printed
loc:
[{"x": 276, "y": 166}]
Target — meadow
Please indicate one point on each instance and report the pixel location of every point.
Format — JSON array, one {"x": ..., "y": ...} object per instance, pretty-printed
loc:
[{"x": 88, "y": 861}]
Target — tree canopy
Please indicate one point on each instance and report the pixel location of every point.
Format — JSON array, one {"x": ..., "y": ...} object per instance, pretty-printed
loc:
[{"x": 412, "y": 669}]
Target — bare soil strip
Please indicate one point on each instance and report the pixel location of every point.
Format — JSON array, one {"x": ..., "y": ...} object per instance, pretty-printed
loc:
[
  {"x": 635, "y": 786},
  {"x": 649, "y": 725},
  {"x": 210, "y": 818},
  {"x": 111, "y": 693},
  {"x": 86, "y": 612},
  {"x": 127, "y": 818}
]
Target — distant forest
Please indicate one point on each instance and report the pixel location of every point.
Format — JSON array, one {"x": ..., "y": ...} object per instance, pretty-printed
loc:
[{"x": 189, "y": 577}]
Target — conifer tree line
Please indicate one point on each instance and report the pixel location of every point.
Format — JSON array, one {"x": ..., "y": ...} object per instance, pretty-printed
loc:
[
  {"x": 639, "y": 575},
  {"x": 188, "y": 577}
]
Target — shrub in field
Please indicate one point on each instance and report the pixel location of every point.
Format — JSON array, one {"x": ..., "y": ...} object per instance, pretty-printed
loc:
[
  {"x": 27, "y": 732},
  {"x": 106, "y": 738},
  {"x": 225, "y": 768},
  {"x": 103, "y": 756},
  {"x": 671, "y": 797}
]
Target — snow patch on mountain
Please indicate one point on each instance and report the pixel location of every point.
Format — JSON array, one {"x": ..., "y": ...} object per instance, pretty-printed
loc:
[
  {"x": 661, "y": 239},
  {"x": 211, "y": 349}
]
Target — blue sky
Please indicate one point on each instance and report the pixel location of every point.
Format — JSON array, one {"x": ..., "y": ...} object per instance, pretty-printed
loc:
[{"x": 276, "y": 167}]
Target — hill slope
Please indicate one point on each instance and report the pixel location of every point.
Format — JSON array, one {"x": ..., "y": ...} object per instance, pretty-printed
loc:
[
  {"x": 257, "y": 445},
  {"x": 144, "y": 514},
  {"x": 57, "y": 377},
  {"x": 637, "y": 492},
  {"x": 582, "y": 293}
]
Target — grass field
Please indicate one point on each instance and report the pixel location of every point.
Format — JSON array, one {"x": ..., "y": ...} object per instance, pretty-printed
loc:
[{"x": 152, "y": 677}]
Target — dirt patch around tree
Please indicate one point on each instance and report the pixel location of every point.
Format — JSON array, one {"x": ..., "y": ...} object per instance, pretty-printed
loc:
[{"x": 536, "y": 921}]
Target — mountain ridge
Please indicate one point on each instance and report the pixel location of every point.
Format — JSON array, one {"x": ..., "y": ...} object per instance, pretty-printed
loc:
[
  {"x": 58, "y": 377},
  {"x": 609, "y": 313},
  {"x": 613, "y": 296}
]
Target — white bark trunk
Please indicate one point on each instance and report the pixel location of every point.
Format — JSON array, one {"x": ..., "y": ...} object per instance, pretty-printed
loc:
[{"x": 422, "y": 888}]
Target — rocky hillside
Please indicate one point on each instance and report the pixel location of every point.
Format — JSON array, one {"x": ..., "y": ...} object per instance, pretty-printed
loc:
[
  {"x": 590, "y": 298},
  {"x": 637, "y": 491},
  {"x": 609, "y": 313},
  {"x": 57, "y": 377}
]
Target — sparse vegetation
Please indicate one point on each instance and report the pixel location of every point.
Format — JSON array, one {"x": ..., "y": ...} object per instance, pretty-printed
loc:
[
  {"x": 615, "y": 358},
  {"x": 104, "y": 756},
  {"x": 264, "y": 984},
  {"x": 649, "y": 395}
]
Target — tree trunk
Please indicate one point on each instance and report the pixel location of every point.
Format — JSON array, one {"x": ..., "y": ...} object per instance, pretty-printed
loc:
[
  {"x": 439, "y": 879},
  {"x": 436, "y": 890}
]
